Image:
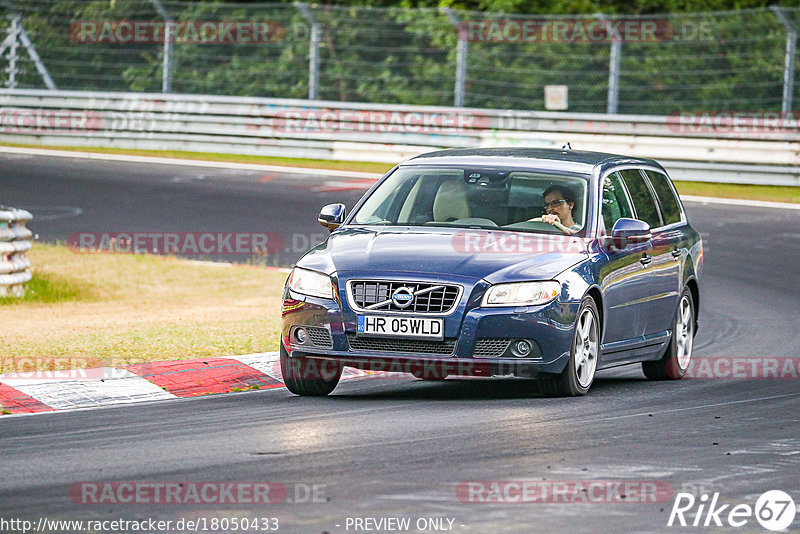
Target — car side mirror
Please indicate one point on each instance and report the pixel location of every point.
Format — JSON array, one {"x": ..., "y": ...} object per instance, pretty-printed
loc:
[
  {"x": 629, "y": 232},
  {"x": 332, "y": 216}
]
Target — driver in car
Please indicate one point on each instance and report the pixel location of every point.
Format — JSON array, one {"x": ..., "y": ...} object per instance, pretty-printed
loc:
[{"x": 558, "y": 203}]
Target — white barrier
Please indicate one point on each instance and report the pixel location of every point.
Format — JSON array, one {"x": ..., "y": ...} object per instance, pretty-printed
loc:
[
  {"x": 731, "y": 150},
  {"x": 14, "y": 243}
]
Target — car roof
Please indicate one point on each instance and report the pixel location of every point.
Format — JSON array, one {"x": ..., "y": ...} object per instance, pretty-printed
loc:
[{"x": 569, "y": 160}]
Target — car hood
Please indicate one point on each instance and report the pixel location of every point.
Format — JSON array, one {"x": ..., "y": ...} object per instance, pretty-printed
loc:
[{"x": 476, "y": 254}]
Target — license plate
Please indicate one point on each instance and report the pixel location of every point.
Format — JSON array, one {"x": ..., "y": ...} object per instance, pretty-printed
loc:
[{"x": 392, "y": 325}]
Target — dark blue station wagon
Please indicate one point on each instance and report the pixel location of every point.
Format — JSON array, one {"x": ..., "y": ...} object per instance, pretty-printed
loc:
[{"x": 538, "y": 263}]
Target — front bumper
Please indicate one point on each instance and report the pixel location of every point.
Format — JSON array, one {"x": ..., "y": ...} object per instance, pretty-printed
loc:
[{"x": 549, "y": 327}]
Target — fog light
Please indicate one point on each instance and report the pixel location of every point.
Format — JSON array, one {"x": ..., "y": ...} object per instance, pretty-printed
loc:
[
  {"x": 300, "y": 335},
  {"x": 521, "y": 348}
]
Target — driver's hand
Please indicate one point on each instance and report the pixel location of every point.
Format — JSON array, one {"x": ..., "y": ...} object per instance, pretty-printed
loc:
[{"x": 553, "y": 219}]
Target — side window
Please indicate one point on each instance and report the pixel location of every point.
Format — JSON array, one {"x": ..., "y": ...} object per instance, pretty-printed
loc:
[
  {"x": 670, "y": 209},
  {"x": 615, "y": 202},
  {"x": 643, "y": 201}
]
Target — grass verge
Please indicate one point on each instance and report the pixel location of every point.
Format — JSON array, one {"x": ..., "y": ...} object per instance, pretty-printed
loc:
[
  {"x": 771, "y": 193},
  {"x": 364, "y": 166},
  {"x": 94, "y": 310},
  {"x": 49, "y": 288}
]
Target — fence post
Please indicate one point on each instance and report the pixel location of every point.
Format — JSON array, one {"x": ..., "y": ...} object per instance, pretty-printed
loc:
[
  {"x": 613, "y": 76},
  {"x": 11, "y": 44},
  {"x": 461, "y": 58},
  {"x": 788, "y": 64},
  {"x": 613, "y": 66},
  {"x": 166, "y": 67},
  {"x": 313, "y": 50}
]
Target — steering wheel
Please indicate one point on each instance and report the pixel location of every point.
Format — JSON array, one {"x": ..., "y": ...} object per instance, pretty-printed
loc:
[{"x": 556, "y": 224}]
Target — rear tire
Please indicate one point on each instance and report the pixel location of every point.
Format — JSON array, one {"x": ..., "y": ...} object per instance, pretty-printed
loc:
[
  {"x": 676, "y": 360},
  {"x": 309, "y": 376},
  {"x": 576, "y": 379}
]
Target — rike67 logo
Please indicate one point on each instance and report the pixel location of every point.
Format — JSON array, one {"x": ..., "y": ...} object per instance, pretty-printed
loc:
[{"x": 774, "y": 510}]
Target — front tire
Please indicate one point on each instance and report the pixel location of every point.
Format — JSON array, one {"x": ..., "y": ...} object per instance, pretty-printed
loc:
[
  {"x": 577, "y": 377},
  {"x": 309, "y": 376},
  {"x": 676, "y": 360}
]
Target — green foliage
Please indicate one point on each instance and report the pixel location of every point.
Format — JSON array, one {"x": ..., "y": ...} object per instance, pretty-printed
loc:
[
  {"x": 722, "y": 61},
  {"x": 45, "y": 288},
  {"x": 573, "y": 7}
]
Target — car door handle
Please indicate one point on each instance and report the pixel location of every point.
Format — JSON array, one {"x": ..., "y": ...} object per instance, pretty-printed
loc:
[
  {"x": 676, "y": 254},
  {"x": 646, "y": 259}
]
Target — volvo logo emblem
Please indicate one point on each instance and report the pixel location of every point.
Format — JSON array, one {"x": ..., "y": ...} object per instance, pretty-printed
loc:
[{"x": 403, "y": 297}]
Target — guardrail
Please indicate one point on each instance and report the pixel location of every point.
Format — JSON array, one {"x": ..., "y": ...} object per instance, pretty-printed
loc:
[
  {"x": 714, "y": 148},
  {"x": 14, "y": 243}
]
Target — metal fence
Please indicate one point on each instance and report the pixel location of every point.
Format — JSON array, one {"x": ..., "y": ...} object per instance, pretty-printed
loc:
[
  {"x": 14, "y": 243},
  {"x": 727, "y": 61}
]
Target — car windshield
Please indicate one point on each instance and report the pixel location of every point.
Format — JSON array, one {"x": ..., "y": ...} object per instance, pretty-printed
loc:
[{"x": 477, "y": 198}]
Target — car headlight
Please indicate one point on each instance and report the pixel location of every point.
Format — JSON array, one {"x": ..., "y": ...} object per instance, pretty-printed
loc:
[
  {"x": 521, "y": 294},
  {"x": 311, "y": 283}
]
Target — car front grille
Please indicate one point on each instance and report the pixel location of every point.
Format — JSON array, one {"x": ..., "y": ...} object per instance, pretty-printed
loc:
[
  {"x": 418, "y": 346},
  {"x": 490, "y": 347},
  {"x": 429, "y": 298}
]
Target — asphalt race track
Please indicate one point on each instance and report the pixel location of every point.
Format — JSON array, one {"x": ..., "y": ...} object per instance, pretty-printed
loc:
[
  {"x": 70, "y": 196},
  {"x": 404, "y": 448}
]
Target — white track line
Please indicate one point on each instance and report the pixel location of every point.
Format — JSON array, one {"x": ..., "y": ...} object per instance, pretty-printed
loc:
[{"x": 186, "y": 162}]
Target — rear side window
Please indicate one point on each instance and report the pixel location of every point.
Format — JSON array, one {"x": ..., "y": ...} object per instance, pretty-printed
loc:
[
  {"x": 670, "y": 209},
  {"x": 615, "y": 202},
  {"x": 643, "y": 201}
]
